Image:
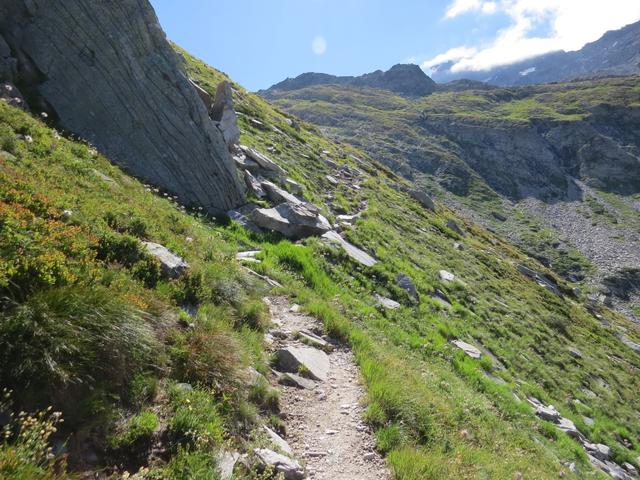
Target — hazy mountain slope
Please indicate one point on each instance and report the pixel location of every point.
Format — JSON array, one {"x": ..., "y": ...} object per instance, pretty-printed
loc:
[
  {"x": 559, "y": 163},
  {"x": 615, "y": 53},
  {"x": 437, "y": 412}
]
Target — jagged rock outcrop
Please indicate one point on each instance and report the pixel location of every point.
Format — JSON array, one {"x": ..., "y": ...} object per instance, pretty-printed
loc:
[
  {"x": 105, "y": 71},
  {"x": 223, "y": 113}
]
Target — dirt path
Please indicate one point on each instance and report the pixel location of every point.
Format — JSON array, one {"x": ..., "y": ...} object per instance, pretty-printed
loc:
[{"x": 323, "y": 422}]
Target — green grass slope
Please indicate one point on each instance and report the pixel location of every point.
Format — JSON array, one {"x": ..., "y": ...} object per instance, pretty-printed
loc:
[
  {"x": 431, "y": 141},
  {"x": 90, "y": 326}
]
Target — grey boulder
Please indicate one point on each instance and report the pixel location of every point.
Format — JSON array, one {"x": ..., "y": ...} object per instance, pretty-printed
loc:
[
  {"x": 598, "y": 450},
  {"x": 405, "y": 283},
  {"x": 202, "y": 93},
  {"x": 446, "y": 276},
  {"x": 294, "y": 380},
  {"x": 171, "y": 264},
  {"x": 425, "y": 200},
  {"x": 289, "y": 468},
  {"x": 386, "y": 302},
  {"x": 292, "y": 220},
  {"x": 226, "y": 463},
  {"x": 278, "y": 441},
  {"x": 453, "y": 225}
]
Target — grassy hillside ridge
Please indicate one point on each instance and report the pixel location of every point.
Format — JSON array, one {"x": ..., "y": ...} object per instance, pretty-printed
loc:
[
  {"x": 437, "y": 413},
  {"x": 507, "y": 157}
]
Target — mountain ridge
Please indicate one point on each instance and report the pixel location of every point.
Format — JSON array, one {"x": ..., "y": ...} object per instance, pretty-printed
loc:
[
  {"x": 403, "y": 79},
  {"x": 616, "y": 53}
]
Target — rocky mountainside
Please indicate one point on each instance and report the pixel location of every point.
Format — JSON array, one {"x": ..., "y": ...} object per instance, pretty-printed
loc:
[
  {"x": 615, "y": 53},
  {"x": 117, "y": 83},
  {"x": 406, "y": 80},
  {"x": 340, "y": 324},
  {"x": 563, "y": 157}
]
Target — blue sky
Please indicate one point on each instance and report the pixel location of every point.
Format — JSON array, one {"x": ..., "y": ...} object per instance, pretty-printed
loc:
[{"x": 260, "y": 42}]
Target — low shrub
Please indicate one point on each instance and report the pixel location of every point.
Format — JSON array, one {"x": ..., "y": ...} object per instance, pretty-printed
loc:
[
  {"x": 73, "y": 336},
  {"x": 208, "y": 354},
  {"x": 196, "y": 420},
  {"x": 254, "y": 314},
  {"x": 137, "y": 432},
  {"x": 188, "y": 463}
]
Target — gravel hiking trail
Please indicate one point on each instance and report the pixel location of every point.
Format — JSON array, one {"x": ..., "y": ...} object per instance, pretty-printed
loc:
[{"x": 324, "y": 421}]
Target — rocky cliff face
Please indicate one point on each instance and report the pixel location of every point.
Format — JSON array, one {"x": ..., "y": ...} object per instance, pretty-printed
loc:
[
  {"x": 540, "y": 158},
  {"x": 104, "y": 71},
  {"x": 406, "y": 80}
]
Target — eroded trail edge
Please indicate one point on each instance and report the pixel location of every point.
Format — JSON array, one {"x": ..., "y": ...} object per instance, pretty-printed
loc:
[{"x": 323, "y": 417}]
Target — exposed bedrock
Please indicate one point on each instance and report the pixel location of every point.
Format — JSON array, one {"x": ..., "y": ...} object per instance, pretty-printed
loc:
[{"x": 106, "y": 72}]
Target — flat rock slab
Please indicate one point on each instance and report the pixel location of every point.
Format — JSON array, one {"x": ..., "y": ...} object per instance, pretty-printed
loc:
[
  {"x": 598, "y": 450},
  {"x": 171, "y": 264},
  {"x": 278, "y": 441},
  {"x": 386, "y": 302},
  {"x": 348, "y": 218},
  {"x": 446, "y": 276},
  {"x": 316, "y": 362},
  {"x": 249, "y": 256},
  {"x": 279, "y": 195},
  {"x": 295, "y": 380},
  {"x": 119, "y": 71},
  {"x": 242, "y": 216},
  {"x": 354, "y": 252},
  {"x": 289, "y": 468},
  {"x": 467, "y": 348},
  {"x": 314, "y": 340},
  {"x": 262, "y": 160},
  {"x": 629, "y": 343},
  {"x": 226, "y": 463},
  {"x": 253, "y": 185}
]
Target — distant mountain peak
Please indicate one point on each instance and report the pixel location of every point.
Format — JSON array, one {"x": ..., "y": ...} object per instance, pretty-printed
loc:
[
  {"x": 404, "y": 79},
  {"x": 616, "y": 53}
]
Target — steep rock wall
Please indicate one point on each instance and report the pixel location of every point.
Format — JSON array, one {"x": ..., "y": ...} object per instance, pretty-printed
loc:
[{"x": 105, "y": 70}]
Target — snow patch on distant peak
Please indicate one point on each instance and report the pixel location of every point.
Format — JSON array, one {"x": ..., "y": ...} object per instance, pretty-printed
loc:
[{"x": 526, "y": 72}]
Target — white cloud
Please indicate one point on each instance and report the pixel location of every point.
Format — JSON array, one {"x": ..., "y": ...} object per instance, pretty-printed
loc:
[
  {"x": 572, "y": 23},
  {"x": 453, "y": 55},
  {"x": 319, "y": 45},
  {"x": 489, "y": 7},
  {"x": 458, "y": 7}
]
